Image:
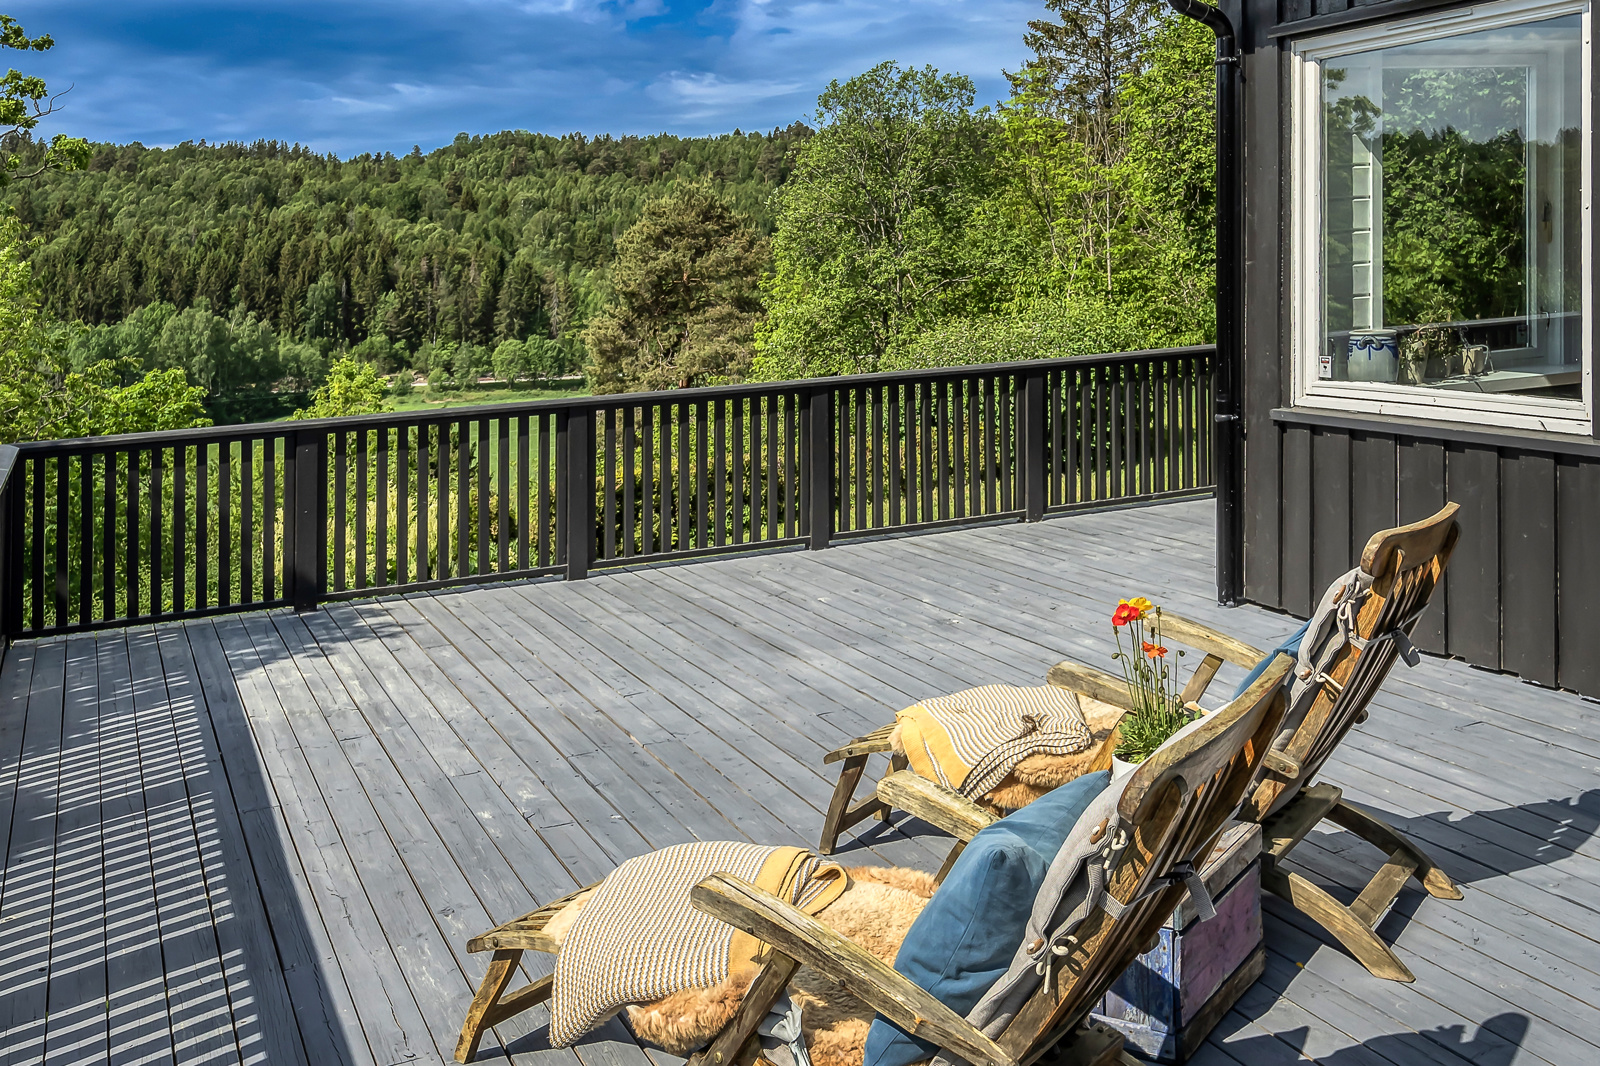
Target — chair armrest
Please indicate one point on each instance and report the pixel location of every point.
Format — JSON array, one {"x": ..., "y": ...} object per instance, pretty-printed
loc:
[
  {"x": 1091, "y": 682},
  {"x": 934, "y": 804},
  {"x": 873, "y": 743},
  {"x": 800, "y": 936},
  {"x": 1204, "y": 638}
]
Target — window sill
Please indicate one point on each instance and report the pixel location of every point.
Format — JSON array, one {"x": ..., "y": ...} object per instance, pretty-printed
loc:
[{"x": 1430, "y": 429}]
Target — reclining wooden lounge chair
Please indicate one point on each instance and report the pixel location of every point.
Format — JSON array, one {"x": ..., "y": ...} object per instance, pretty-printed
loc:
[
  {"x": 1173, "y": 810},
  {"x": 1406, "y": 564}
]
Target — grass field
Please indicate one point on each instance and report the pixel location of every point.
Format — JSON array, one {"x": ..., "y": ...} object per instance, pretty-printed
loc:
[{"x": 425, "y": 399}]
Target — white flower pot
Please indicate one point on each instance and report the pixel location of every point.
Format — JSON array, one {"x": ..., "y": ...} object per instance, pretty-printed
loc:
[{"x": 1121, "y": 768}]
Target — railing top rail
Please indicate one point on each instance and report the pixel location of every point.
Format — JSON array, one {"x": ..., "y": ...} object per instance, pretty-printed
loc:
[{"x": 390, "y": 419}]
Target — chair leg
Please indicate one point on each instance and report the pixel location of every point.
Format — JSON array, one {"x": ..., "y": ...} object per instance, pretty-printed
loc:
[
  {"x": 949, "y": 861},
  {"x": 737, "y": 1043},
  {"x": 843, "y": 793},
  {"x": 841, "y": 815},
  {"x": 489, "y": 1009},
  {"x": 1387, "y": 838},
  {"x": 1356, "y": 935}
]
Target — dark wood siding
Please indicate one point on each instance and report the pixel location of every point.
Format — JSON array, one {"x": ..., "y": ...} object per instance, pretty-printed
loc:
[{"x": 1521, "y": 592}]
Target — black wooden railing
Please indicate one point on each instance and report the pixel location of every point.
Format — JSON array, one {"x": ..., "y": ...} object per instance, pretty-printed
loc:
[{"x": 111, "y": 530}]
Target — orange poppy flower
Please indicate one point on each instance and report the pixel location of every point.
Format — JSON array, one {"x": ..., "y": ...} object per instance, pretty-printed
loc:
[{"x": 1154, "y": 651}]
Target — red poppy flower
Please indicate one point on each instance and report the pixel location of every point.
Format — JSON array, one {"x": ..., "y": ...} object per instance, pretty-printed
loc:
[{"x": 1125, "y": 613}]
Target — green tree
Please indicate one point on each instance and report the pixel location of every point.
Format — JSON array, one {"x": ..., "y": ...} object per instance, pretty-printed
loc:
[
  {"x": 352, "y": 388},
  {"x": 24, "y": 103},
  {"x": 871, "y": 244},
  {"x": 1082, "y": 62},
  {"x": 685, "y": 298},
  {"x": 44, "y": 396}
]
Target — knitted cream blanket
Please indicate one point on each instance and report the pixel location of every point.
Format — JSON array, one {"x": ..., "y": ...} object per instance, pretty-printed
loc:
[
  {"x": 639, "y": 938},
  {"x": 971, "y": 740}
]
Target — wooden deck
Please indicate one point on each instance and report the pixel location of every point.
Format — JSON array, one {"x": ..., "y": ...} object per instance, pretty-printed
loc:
[{"x": 267, "y": 838}]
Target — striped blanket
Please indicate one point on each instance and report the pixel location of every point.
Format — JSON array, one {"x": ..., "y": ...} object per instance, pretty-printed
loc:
[
  {"x": 971, "y": 740},
  {"x": 639, "y": 938}
]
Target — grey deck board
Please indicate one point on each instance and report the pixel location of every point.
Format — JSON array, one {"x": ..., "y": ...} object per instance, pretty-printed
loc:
[
  {"x": 269, "y": 837},
  {"x": 26, "y": 895},
  {"x": 197, "y": 993},
  {"x": 76, "y": 1029},
  {"x": 136, "y": 1009}
]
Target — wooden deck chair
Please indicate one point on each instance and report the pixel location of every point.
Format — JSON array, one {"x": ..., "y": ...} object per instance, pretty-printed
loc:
[
  {"x": 1406, "y": 564},
  {"x": 1173, "y": 810}
]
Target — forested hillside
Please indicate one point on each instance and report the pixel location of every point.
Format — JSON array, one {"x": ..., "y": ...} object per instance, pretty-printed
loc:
[{"x": 272, "y": 256}]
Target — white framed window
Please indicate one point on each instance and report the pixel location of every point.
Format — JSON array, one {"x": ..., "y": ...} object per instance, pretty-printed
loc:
[{"x": 1441, "y": 176}]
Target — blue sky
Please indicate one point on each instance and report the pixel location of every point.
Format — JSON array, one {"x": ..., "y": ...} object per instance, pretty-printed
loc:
[{"x": 349, "y": 76}]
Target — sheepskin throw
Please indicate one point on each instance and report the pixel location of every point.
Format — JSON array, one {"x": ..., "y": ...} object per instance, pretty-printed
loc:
[
  {"x": 972, "y": 740},
  {"x": 639, "y": 938}
]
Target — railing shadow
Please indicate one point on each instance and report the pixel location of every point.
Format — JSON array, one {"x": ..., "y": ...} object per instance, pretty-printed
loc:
[
  {"x": 1495, "y": 1043},
  {"x": 1485, "y": 844},
  {"x": 147, "y": 901}
]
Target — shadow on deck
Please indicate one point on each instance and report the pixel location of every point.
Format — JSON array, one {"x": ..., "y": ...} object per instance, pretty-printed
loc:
[{"x": 267, "y": 838}]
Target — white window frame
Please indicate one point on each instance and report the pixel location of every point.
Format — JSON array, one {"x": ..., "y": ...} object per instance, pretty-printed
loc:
[{"x": 1307, "y": 303}]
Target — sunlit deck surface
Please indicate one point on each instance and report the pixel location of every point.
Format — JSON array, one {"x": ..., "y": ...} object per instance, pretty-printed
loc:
[{"x": 268, "y": 838}]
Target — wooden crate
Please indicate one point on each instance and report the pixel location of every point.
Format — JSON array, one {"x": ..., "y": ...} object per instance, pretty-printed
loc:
[{"x": 1167, "y": 1002}]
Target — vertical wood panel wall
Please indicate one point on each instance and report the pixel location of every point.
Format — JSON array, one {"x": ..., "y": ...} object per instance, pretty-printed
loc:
[{"x": 1523, "y": 591}]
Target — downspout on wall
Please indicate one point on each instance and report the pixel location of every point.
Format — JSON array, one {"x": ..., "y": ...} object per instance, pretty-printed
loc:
[{"x": 1228, "y": 376}]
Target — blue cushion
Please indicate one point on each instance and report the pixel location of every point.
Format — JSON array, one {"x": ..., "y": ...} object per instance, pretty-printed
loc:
[
  {"x": 1290, "y": 647},
  {"x": 965, "y": 937}
]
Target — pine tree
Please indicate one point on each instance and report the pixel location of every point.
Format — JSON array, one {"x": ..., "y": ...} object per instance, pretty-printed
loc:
[{"x": 686, "y": 298}]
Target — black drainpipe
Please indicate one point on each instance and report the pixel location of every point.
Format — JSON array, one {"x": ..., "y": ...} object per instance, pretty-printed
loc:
[{"x": 1228, "y": 428}]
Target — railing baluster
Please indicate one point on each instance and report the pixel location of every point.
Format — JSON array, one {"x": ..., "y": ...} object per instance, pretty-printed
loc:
[
  {"x": 701, "y": 431},
  {"x": 135, "y": 572},
  {"x": 875, "y": 418},
  {"x": 180, "y": 527},
  {"x": 108, "y": 536},
  {"x": 608, "y": 479},
  {"x": 464, "y": 529},
  {"x": 685, "y": 501},
  {"x": 737, "y": 410},
  {"x": 630, "y": 443},
  {"x": 773, "y": 481},
  {"x": 896, "y": 453},
  {"x": 402, "y": 505},
  {"x": 247, "y": 520},
  {"x": 380, "y": 555},
  {"x": 362, "y": 502},
  {"x": 546, "y": 557},
  {"x": 719, "y": 475},
  {"x": 648, "y": 482},
  {"x": 272, "y": 524},
  {"x": 946, "y": 508},
  {"x": 424, "y": 568},
  {"x": 1009, "y": 427},
  {"x": 525, "y": 523},
  {"x": 502, "y": 494},
  {"x": 85, "y": 538},
  {"x": 225, "y": 525},
  {"x": 483, "y": 458},
  {"x": 341, "y": 511},
  {"x": 1053, "y": 403},
  {"x": 58, "y": 541},
  {"x": 202, "y": 524},
  {"x": 791, "y": 471},
  {"x": 157, "y": 520}
]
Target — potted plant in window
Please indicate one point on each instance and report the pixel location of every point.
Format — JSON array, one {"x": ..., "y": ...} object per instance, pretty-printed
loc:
[
  {"x": 1152, "y": 684},
  {"x": 1431, "y": 350}
]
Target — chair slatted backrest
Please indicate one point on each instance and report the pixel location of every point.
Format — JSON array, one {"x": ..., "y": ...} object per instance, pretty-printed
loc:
[
  {"x": 1174, "y": 809},
  {"x": 1406, "y": 565}
]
